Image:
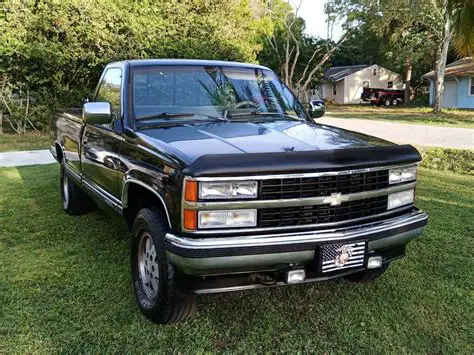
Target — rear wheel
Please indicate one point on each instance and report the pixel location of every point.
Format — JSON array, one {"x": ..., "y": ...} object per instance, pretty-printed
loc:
[
  {"x": 386, "y": 102},
  {"x": 367, "y": 275},
  {"x": 154, "y": 283},
  {"x": 394, "y": 102},
  {"x": 75, "y": 201}
]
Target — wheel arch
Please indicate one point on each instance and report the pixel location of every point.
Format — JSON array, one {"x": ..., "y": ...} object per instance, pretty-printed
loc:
[{"x": 136, "y": 195}]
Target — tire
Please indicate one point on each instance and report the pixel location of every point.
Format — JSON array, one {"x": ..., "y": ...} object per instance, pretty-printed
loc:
[
  {"x": 394, "y": 102},
  {"x": 153, "y": 275},
  {"x": 386, "y": 102},
  {"x": 367, "y": 275},
  {"x": 75, "y": 201}
]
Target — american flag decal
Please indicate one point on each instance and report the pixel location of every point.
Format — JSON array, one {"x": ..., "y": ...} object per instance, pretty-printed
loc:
[{"x": 342, "y": 256}]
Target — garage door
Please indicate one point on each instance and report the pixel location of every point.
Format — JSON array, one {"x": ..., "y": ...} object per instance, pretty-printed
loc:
[{"x": 449, "y": 94}]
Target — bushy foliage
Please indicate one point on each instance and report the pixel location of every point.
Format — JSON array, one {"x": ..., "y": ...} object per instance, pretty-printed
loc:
[
  {"x": 453, "y": 160},
  {"x": 57, "y": 48}
]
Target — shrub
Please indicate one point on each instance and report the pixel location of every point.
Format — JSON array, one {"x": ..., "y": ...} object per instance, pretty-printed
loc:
[
  {"x": 57, "y": 48},
  {"x": 453, "y": 160}
]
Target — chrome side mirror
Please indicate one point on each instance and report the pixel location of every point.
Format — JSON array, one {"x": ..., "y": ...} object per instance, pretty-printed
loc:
[
  {"x": 316, "y": 111},
  {"x": 97, "y": 113}
]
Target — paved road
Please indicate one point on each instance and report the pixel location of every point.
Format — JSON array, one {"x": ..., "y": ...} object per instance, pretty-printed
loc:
[
  {"x": 29, "y": 157},
  {"x": 422, "y": 135}
]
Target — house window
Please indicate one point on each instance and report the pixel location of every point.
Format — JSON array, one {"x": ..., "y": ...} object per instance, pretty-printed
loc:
[
  {"x": 390, "y": 85},
  {"x": 365, "y": 84},
  {"x": 334, "y": 91},
  {"x": 375, "y": 71},
  {"x": 471, "y": 86}
]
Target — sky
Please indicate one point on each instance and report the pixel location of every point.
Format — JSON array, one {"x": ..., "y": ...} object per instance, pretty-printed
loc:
[{"x": 312, "y": 11}]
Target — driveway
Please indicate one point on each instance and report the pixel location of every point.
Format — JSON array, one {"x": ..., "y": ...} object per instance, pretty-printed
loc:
[
  {"x": 29, "y": 157},
  {"x": 422, "y": 135}
]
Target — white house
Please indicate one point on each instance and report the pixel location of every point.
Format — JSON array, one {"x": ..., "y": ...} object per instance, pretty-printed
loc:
[
  {"x": 458, "y": 84},
  {"x": 344, "y": 84}
]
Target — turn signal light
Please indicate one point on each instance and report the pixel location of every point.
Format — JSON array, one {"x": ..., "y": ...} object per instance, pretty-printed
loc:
[
  {"x": 191, "y": 191},
  {"x": 190, "y": 219}
]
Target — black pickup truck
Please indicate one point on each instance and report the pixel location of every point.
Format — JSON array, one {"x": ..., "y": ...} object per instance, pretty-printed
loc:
[{"x": 226, "y": 183}]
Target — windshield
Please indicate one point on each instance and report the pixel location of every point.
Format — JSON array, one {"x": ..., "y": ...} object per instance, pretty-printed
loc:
[{"x": 229, "y": 93}]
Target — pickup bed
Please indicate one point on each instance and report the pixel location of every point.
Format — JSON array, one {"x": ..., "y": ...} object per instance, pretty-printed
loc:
[{"x": 227, "y": 183}]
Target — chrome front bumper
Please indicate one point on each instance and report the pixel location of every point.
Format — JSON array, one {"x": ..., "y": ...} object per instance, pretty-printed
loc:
[{"x": 217, "y": 255}]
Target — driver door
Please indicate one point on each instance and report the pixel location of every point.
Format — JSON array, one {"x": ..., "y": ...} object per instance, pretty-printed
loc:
[{"x": 101, "y": 143}]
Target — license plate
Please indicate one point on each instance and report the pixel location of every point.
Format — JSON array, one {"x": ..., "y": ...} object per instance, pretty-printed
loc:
[{"x": 336, "y": 257}]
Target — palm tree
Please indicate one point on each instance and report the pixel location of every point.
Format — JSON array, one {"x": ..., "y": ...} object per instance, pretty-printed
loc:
[{"x": 463, "y": 25}]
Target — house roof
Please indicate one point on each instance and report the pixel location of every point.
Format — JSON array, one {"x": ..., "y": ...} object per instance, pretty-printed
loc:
[
  {"x": 462, "y": 67},
  {"x": 337, "y": 73}
]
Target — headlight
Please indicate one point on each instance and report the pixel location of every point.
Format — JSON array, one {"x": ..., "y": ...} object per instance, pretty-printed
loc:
[
  {"x": 400, "y": 199},
  {"x": 228, "y": 190},
  {"x": 398, "y": 175},
  {"x": 228, "y": 218}
]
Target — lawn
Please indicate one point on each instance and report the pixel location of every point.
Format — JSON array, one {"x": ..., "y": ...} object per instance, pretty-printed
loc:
[
  {"x": 417, "y": 115},
  {"x": 65, "y": 287},
  {"x": 29, "y": 141}
]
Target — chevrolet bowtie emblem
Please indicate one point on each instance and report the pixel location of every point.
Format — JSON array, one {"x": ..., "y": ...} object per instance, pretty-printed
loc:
[{"x": 335, "y": 199}]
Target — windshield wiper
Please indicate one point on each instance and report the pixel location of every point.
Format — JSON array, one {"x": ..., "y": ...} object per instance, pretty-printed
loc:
[
  {"x": 260, "y": 113},
  {"x": 171, "y": 116}
]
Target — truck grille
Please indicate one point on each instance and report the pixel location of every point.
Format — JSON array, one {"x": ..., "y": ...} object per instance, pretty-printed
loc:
[
  {"x": 288, "y": 188},
  {"x": 304, "y": 215}
]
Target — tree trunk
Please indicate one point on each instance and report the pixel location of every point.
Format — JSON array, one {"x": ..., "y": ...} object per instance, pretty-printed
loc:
[
  {"x": 408, "y": 67},
  {"x": 440, "y": 64},
  {"x": 1, "y": 121}
]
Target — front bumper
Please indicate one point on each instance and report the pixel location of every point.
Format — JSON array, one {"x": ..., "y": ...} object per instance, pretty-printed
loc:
[{"x": 225, "y": 255}]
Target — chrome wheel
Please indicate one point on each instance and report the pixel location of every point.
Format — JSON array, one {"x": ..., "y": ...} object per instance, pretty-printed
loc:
[
  {"x": 147, "y": 266},
  {"x": 65, "y": 191}
]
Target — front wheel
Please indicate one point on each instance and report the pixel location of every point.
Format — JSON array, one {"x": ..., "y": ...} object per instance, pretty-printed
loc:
[
  {"x": 367, "y": 275},
  {"x": 394, "y": 102},
  {"x": 387, "y": 102},
  {"x": 154, "y": 283}
]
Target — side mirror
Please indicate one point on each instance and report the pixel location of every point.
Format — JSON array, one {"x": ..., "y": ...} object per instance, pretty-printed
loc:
[
  {"x": 316, "y": 111},
  {"x": 97, "y": 113}
]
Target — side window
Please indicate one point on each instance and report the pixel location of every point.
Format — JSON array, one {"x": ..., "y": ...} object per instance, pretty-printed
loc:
[
  {"x": 390, "y": 84},
  {"x": 109, "y": 90}
]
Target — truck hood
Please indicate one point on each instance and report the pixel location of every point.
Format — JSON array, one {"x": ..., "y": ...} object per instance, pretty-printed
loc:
[{"x": 194, "y": 140}]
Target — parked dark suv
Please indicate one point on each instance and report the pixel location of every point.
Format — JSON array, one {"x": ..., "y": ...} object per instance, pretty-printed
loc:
[{"x": 226, "y": 183}]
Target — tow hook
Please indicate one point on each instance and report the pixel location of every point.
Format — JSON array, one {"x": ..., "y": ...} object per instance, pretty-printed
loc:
[{"x": 263, "y": 279}]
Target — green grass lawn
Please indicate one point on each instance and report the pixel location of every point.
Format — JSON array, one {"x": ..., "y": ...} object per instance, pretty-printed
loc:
[
  {"x": 417, "y": 115},
  {"x": 29, "y": 141},
  {"x": 65, "y": 287}
]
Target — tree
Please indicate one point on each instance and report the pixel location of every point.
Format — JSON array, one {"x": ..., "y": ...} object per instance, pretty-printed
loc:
[
  {"x": 463, "y": 23},
  {"x": 57, "y": 48},
  {"x": 420, "y": 27},
  {"x": 447, "y": 19},
  {"x": 299, "y": 57}
]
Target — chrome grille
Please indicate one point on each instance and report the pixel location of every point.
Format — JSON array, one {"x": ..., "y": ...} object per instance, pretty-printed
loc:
[
  {"x": 331, "y": 252},
  {"x": 286, "y": 188},
  {"x": 304, "y": 215}
]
